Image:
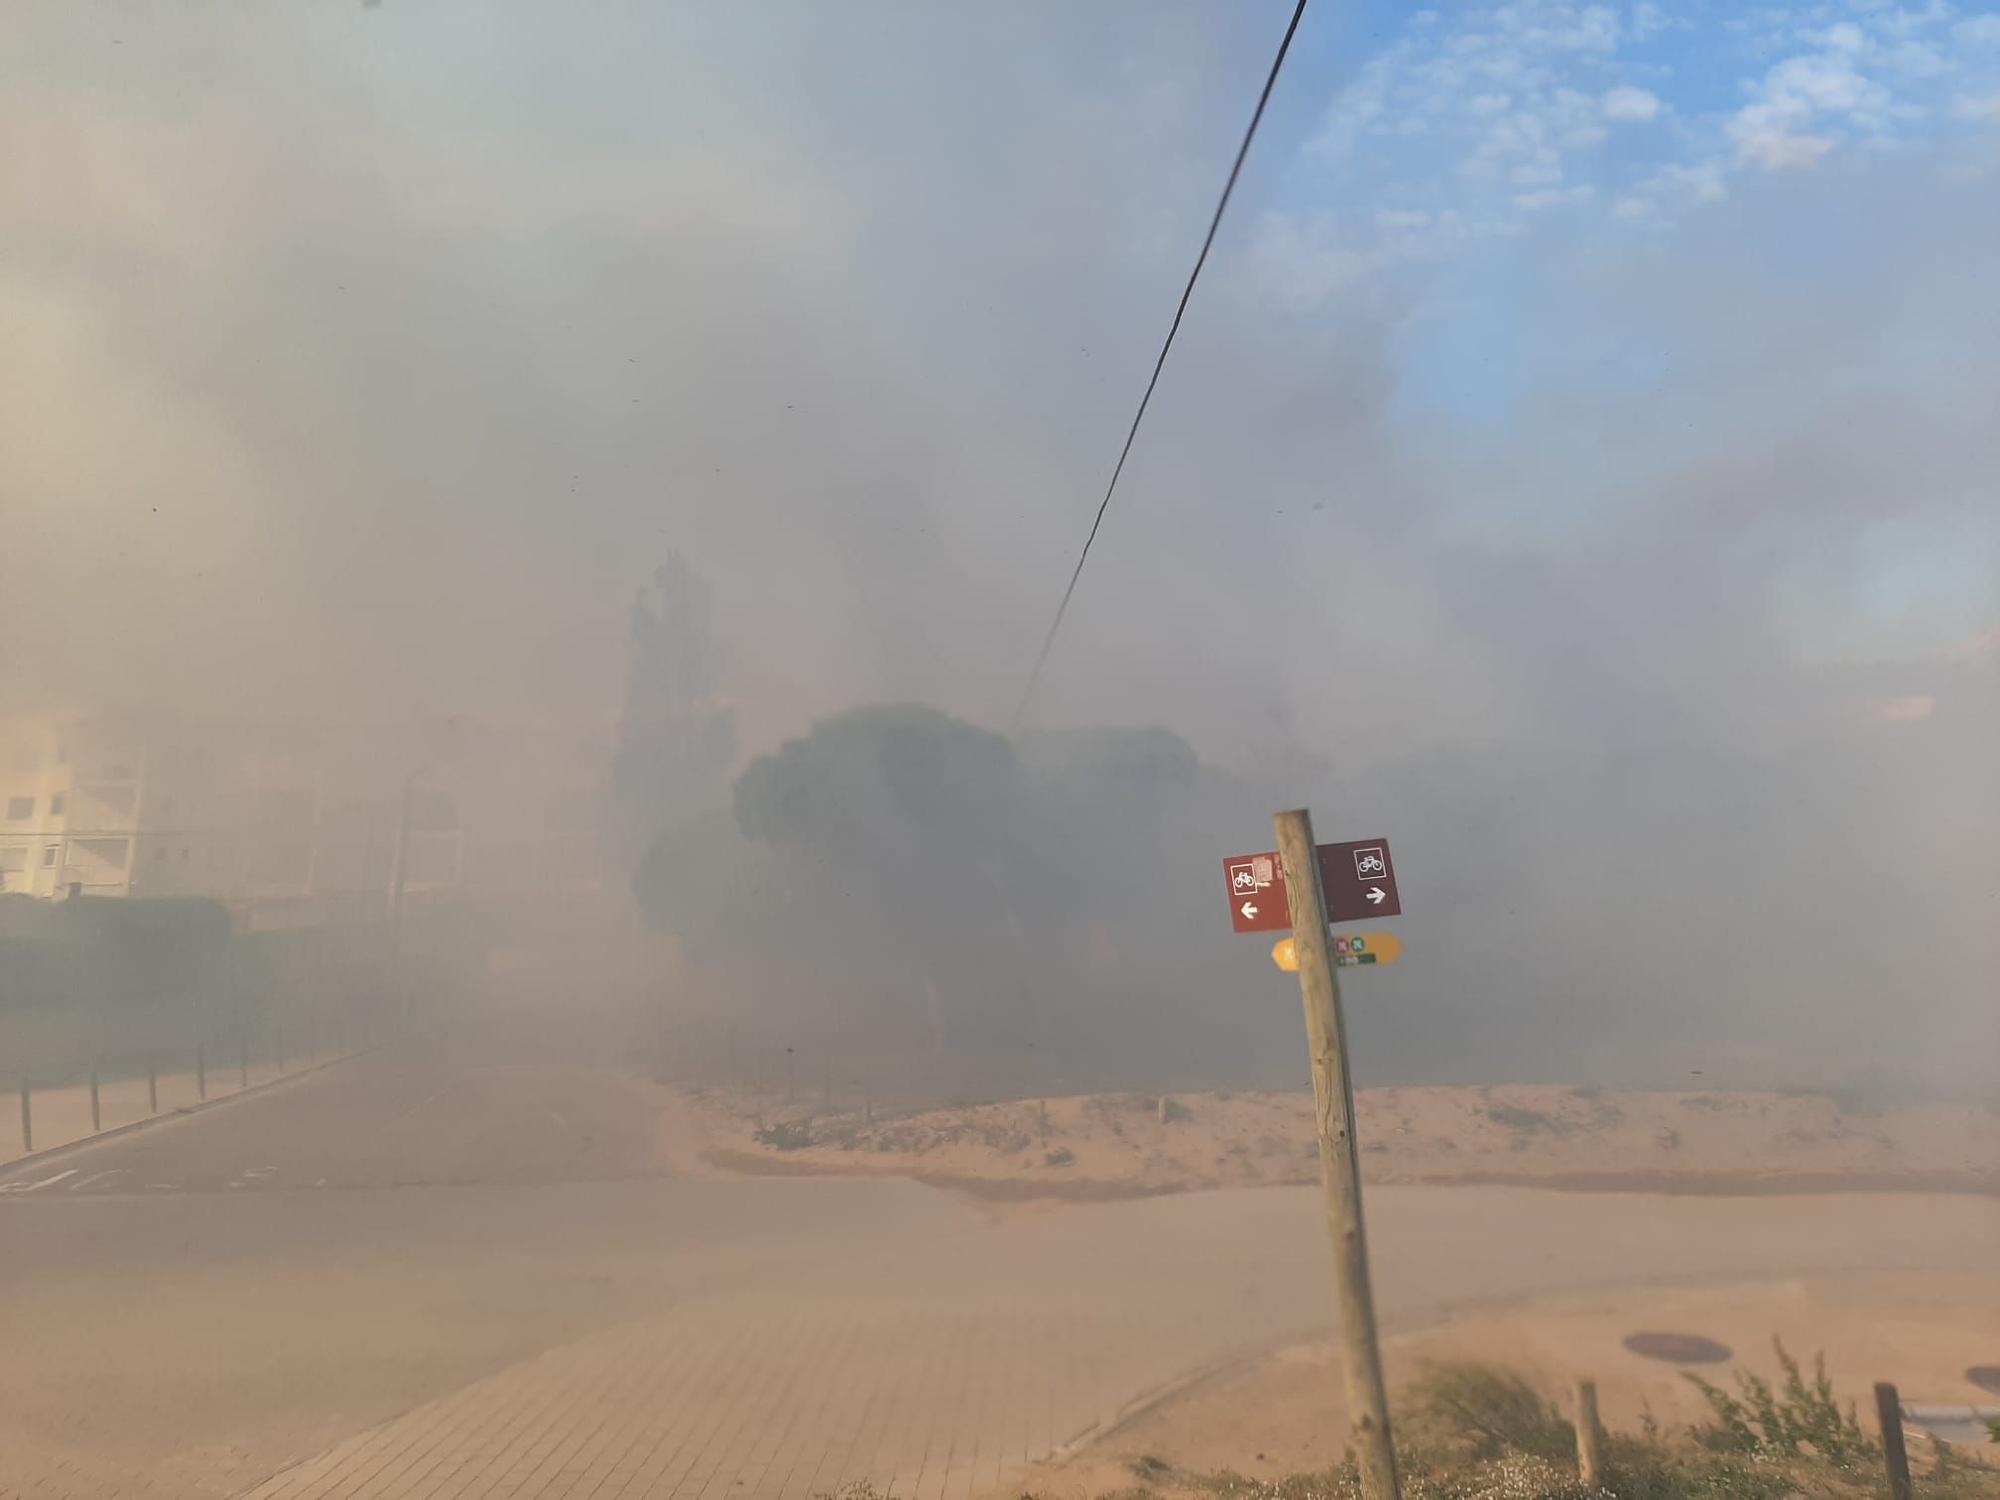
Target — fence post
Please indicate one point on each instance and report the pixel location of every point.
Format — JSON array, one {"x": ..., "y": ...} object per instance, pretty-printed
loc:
[
  {"x": 826, "y": 1087},
  {"x": 27, "y": 1117},
  {"x": 1889, "y": 1411},
  {"x": 867, "y": 1103},
  {"x": 200, "y": 1067},
  {"x": 791, "y": 1087},
  {"x": 96, "y": 1114},
  {"x": 152, "y": 1083},
  {"x": 1589, "y": 1436},
  {"x": 278, "y": 1044},
  {"x": 243, "y": 1055}
]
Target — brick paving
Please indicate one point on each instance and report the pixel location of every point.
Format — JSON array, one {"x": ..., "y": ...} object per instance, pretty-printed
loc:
[{"x": 896, "y": 1383}]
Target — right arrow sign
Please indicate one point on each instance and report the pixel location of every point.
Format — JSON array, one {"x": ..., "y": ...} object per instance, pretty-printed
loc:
[{"x": 1359, "y": 879}]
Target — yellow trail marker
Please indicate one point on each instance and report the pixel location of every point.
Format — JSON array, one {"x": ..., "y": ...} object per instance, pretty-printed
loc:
[{"x": 1349, "y": 950}]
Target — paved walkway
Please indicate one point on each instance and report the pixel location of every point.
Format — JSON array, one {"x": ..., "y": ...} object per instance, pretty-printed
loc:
[
  {"x": 938, "y": 1371},
  {"x": 772, "y": 1396},
  {"x": 61, "y": 1115}
]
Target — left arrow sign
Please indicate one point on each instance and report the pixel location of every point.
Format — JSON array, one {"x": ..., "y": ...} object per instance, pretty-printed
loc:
[{"x": 1249, "y": 910}]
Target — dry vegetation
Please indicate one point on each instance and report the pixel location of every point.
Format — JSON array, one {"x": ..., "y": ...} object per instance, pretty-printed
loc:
[
  {"x": 1544, "y": 1134},
  {"x": 1472, "y": 1431}
]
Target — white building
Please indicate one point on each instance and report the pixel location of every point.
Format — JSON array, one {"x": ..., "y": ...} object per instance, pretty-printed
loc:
[{"x": 293, "y": 823}]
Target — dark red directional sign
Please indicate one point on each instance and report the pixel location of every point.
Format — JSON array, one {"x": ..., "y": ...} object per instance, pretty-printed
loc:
[{"x": 1359, "y": 880}]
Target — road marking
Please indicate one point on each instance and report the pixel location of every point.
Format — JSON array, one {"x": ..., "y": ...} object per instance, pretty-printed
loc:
[
  {"x": 36, "y": 1187},
  {"x": 77, "y": 1187}
]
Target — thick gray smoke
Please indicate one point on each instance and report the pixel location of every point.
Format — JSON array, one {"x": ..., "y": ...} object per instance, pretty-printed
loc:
[{"x": 362, "y": 363}]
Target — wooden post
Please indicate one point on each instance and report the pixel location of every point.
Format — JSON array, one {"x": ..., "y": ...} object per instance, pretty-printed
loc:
[
  {"x": 1889, "y": 1411},
  {"x": 1163, "y": 1109},
  {"x": 27, "y": 1117},
  {"x": 96, "y": 1113},
  {"x": 1589, "y": 1436},
  {"x": 243, "y": 1056},
  {"x": 791, "y": 1087},
  {"x": 867, "y": 1103},
  {"x": 1339, "y": 1158},
  {"x": 200, "y": 1068},
  {"x": 152, "y": 1084},
  {"x": 826, "y": 1087}
]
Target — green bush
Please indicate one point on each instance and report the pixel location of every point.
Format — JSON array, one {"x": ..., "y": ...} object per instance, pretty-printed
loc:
[{"x": 1799, "y": 1416}]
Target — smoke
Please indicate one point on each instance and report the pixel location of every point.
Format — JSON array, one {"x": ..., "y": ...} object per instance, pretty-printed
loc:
[{"x": 361, "y": 364}]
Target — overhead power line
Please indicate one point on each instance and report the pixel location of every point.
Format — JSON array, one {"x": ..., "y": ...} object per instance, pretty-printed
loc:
[{"x": 1215, "y": 223}]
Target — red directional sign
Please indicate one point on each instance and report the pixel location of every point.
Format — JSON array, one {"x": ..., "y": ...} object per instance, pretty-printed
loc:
[{"x": 1359, "y": 880}]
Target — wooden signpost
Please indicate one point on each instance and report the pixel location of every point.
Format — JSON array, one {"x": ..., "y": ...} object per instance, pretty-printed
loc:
[{"x": 1297, "y": 874}]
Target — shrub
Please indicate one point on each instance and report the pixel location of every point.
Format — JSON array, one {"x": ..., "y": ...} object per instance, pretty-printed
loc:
[
  {"x": 1515, "y": 1118},
  {"x": 786, "y": 1135},
  {"x": 1795, "y": 1417},
  {"x": 1481, "y": 1411}
]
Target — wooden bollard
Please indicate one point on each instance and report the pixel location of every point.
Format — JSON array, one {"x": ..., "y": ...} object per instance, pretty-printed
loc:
[
  {"x": 1589, "y": 1435},
  {"x": 1889, "y": 1412}
]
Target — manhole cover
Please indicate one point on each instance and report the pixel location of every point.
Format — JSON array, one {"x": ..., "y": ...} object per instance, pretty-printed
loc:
[
  {"x": 1986, "y": 1377},
  {"x": 1678, "y": 1348}
]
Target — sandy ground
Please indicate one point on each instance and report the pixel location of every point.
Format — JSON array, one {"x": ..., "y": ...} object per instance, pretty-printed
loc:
[
  {"x": 1284, "y": 1413},
  {"x": 1543, "y": 1135}
]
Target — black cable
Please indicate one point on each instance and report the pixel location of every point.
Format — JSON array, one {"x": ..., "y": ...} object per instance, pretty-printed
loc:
[{"x": 1236, "y": 168}]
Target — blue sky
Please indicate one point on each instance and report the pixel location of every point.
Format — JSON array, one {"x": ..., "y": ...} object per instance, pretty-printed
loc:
[
  {"x": 1470, "y": 124},
  {"x": 1485, "y": 170}
]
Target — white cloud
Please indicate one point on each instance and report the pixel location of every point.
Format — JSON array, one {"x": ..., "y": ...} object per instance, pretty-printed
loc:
[
  {"x": 1703, "y": 183},
  {"x": 1775, "y": 151},
  {"x": 1978, "y": 31},
  {"x": 1628, "y": 104},
  {"x": 1771, "y": 131},
  {"x": 1550, "y": 197},
  {"x": 1500, "y": 109},
  {"x": 1918, "y": 60}
]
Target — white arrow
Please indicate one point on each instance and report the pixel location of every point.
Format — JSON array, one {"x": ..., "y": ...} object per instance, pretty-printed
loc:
[
  {"x": 1376, "y": 895},
  {"x": 1249, "y": 910}
]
